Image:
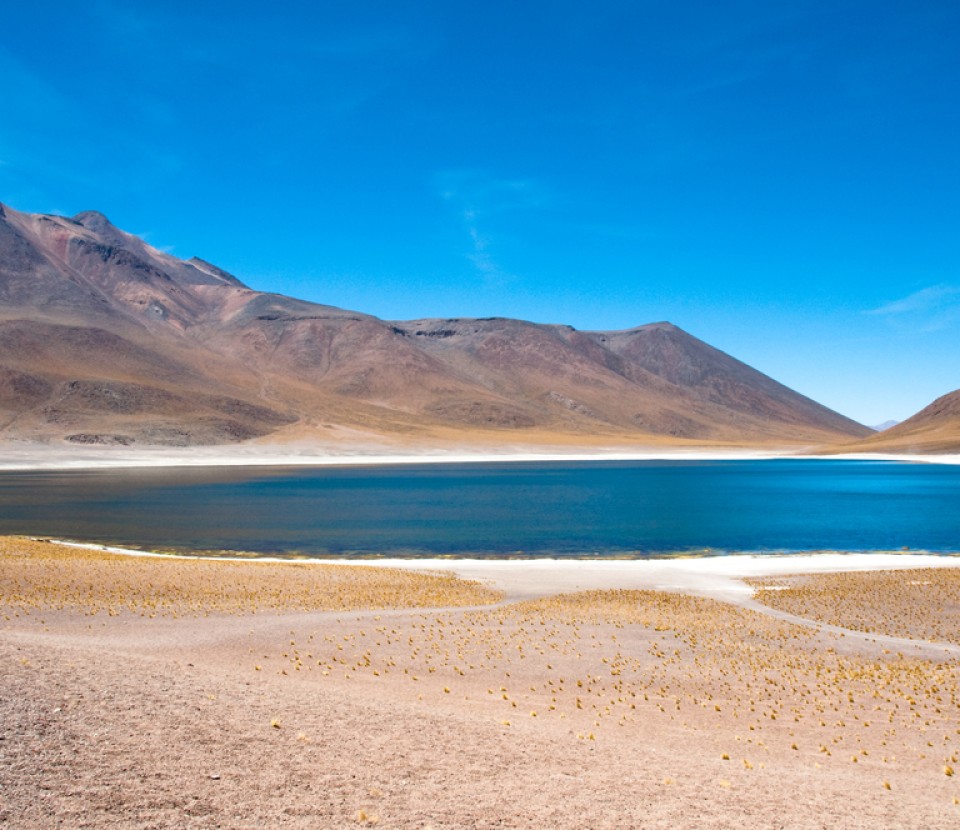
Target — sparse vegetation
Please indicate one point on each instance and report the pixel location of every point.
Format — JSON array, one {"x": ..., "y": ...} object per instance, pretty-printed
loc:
[
  {"x": 922, "y": 604},
  {"x": 594, "y": 672},
  {"x": 38, "y": 575}
]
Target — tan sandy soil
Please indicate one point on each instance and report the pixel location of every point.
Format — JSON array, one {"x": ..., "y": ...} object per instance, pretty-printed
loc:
[{"x": 603, "y": 708}]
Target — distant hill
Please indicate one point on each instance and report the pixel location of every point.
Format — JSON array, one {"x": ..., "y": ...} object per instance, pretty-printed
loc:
[
  {"x": 106, "y": 340},
  {"x": 935, "y": 429},
  {"x": 884, "y": 425}
]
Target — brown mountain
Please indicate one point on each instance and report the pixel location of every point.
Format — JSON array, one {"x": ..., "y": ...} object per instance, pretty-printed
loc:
[
  {"x": 104, "y": 339},
  {"x": 935, "y": 429}
]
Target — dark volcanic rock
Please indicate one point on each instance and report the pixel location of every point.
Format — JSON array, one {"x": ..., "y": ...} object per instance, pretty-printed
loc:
[{"x": 99, "y": 439}]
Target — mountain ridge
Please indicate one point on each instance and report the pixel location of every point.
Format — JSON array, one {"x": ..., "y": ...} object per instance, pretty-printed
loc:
[
  {"x": 935, "y": 429},
  {"x": 105, "y": 339}
]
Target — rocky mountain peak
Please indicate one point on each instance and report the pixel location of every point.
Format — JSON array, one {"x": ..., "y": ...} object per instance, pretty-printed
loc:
[{"x": 94, "y": 221}]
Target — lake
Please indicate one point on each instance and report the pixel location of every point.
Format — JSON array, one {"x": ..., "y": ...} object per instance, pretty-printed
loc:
[{"x": 632, "y": 508}]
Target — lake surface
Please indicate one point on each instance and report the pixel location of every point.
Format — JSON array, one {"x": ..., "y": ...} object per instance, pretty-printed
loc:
[{"x": 533, "y": 509}]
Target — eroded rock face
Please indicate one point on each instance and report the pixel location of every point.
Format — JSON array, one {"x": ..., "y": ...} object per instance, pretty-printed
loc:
[{"x": 104, "y": 338}]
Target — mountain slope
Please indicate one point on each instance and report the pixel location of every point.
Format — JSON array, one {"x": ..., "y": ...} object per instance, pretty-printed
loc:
[
  {"x": 935, "y": 429},
  {"x": 104, "y": 339}
]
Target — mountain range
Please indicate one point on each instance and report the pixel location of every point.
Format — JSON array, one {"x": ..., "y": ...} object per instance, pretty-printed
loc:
[{"x": 107, "y": 340}]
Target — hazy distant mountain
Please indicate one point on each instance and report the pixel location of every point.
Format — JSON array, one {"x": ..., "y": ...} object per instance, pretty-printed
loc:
[
  {"x": 104, "y": 339},
  {"x": 935, "y": 429},
  {"x": 884, "y": 425}
]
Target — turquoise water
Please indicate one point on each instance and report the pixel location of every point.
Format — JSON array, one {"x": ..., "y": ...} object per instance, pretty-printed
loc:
[{"x": 535, "y": 509}]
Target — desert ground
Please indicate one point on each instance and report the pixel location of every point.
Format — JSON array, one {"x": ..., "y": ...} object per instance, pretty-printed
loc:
[{"x": 813, "y": 691}]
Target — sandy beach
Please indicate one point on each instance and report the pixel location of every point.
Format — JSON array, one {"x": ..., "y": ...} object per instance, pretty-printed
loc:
[{"x": 160, "y": 692}]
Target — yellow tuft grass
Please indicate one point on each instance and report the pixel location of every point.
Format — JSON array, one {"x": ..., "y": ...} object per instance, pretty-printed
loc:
[
  {"x": 921, "y": 604},
  {"x": 39, "y": 575}
]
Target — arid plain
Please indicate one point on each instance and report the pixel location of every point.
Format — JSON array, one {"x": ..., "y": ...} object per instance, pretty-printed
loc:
[{"x": 160, "y": 692}]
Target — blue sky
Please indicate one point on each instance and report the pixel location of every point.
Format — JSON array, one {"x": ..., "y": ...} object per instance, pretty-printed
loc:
[{"x": 779, "y": 179}]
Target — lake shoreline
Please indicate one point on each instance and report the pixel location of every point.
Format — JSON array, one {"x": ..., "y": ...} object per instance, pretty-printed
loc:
[
  {"x": 619, "y": 510},
  {"x": 717, "y": 576},
  {"x": 26, "y": 457}
]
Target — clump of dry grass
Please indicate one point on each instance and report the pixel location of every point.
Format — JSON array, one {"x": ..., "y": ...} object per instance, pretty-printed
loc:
[
  {"x": 920, "y": 604},
  {"x": 44, "y": 575}
]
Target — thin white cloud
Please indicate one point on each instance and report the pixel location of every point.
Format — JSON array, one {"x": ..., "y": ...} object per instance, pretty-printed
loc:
[
  {"x": 480, "y": 256},
  {"x": 480, "y": 197},
  {"x": 934, "y": 308},
  {"x": 147, "y": 236},
  {"x": 924, "y": 300}
]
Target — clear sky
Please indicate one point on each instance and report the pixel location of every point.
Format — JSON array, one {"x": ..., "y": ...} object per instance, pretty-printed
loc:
[{"x": 780, "y": 179}]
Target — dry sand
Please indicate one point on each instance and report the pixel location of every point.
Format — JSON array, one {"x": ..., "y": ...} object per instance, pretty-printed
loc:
[{"x": 166, "y": 693}]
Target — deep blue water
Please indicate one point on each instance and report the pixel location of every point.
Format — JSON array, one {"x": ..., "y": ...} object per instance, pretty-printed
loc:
[{"x": 581, "y": 508}]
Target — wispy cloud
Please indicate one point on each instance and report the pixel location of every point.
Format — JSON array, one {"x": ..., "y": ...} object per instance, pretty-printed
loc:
[
  {"x": 930, "y": 309},
  {"x": 480, "y": 255},
  {"x": 147, "y": 236},
  {"x": 481, "y": 199}
]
